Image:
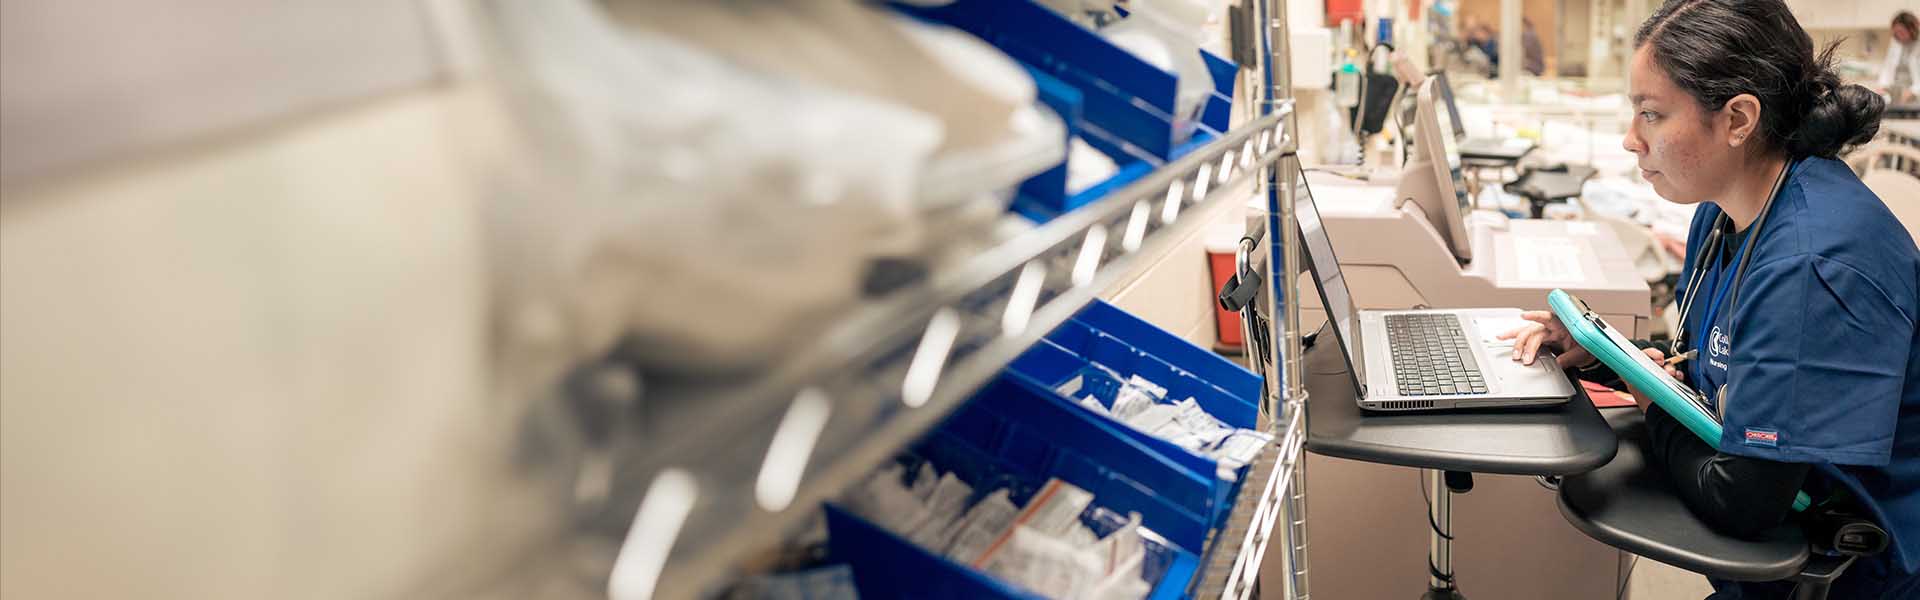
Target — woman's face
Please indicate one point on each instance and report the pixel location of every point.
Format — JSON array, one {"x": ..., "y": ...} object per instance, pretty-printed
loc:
[
  {"x": 1903, "y": 34},
  {"x": 1682, "y": 148}
]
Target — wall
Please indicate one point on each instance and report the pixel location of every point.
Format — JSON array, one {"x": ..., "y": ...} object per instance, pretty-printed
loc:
[
  {"x": 1576, "y": 32},
  {"x": 1176, "y": 291}
]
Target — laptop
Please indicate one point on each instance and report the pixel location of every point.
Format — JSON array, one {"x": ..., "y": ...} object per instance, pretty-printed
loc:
[{"x": 1415, "y": 360}]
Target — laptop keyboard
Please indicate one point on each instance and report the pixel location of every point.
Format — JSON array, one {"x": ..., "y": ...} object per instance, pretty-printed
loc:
[{"x": 1432, "y": 356}]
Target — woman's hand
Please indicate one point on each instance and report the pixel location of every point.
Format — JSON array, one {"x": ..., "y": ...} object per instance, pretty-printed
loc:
[
  {"x": 1546, "y": 331},
  {"x": 1641, "y": 399}
]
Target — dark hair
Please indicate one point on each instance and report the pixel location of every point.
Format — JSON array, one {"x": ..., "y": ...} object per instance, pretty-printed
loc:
[
  {"x": 1907, "y": 20},
  {"x": 1718, "y": 49}
]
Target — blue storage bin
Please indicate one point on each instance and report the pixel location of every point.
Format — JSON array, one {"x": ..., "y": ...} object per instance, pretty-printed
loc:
[
  {"x": 1049, "y": 189},
  {"x": 1219, "y": 111},
  {"x": 1044, "y": 196},
  {"x": 1126, "y": 99},
  {"x": 1010, "y": 436},
  {"x": 1030, "y": 438},
  {"x": 885, "y": 566},
  {"x": 1201, "y": 362},
  {"x": 1115, "y": 102},
  {"x": 1122, "y": 343}
]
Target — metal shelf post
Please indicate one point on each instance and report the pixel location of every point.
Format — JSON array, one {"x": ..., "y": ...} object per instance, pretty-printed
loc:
[{"x": 1286, "y": 287}]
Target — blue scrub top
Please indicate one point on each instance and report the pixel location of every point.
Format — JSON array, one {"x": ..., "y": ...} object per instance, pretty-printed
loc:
[{"x": 1820, "y": 354}]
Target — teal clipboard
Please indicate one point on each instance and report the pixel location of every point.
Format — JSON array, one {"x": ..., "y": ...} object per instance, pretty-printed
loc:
[{"x": 1686, "y": 404}]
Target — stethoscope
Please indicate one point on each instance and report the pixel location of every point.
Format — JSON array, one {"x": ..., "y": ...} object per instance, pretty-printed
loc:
[{"x": 1711, "y": 253}]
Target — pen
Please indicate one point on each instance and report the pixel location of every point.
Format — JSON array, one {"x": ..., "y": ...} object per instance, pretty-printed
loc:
[{"x": 1681, "y": 357}]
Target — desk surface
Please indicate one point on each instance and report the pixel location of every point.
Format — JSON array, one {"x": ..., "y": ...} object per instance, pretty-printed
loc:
[
  {"x": 1571, "y": 438},
  {"x": 1629, "y": 506}
]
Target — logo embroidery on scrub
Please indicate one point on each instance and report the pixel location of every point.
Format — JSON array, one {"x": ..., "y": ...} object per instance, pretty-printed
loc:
[
  {"x": 1720, "y": 344},
  {"x": 1768, "y": 438}
]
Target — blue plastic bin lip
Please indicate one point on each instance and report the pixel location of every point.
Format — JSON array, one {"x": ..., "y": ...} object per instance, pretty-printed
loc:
[
  {"x": 1209, "y": 391},
  {"x": 1137, "y": 168},
  {"x": 1101, "y": 317},
  {"x": 839, "y": 518},
  {"x": 1172, "y": 584},
  {"x": 1101, "y": 309}
]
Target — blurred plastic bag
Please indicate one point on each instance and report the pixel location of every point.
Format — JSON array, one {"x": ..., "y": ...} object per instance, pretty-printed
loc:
[
  {"x": 995, "y": 134},
  {"x": 703, "y": 213},
  {"x": 854, "y": 47},
  {"x": 1164, "y": 33}
]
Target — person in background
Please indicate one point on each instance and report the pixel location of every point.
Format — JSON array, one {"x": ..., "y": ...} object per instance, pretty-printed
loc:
[
  {"x": 1481, "y": 37},
  {"x": 1535, "y": 56},
  {"x": 1900, "y": 74}
]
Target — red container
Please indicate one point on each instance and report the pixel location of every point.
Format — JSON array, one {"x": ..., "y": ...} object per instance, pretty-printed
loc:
[
  {"x": 1339, "y": 10},
  {"x": 1221, "y": 244}
]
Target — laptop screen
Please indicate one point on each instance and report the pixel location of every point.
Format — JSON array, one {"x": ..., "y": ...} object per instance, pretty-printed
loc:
[{"x": 1333, "y": 287}]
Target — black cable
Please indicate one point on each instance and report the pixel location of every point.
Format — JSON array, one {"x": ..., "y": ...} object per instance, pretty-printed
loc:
[
  {"x": 1621, "y": 592},
  {"x": 1422, "y": 480},
  {"x": 1431, "y": 568},
  {"x": 1435, "y": 572}
]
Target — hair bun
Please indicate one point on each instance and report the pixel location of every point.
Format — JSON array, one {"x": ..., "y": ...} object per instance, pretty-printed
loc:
[{"x": 1838, "y": 119}]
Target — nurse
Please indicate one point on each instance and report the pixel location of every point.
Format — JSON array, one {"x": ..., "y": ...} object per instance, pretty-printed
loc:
[{"x": 1800, "y": 300}]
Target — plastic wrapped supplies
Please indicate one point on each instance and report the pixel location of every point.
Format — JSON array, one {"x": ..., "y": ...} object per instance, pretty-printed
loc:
[
  {"x": 703, "y": 214},
  {"x": 995, "y": 135},
  {"x": 1143, "y": 405},
  {"x": 1086, "y": 166},
  {"x": 1165, "y": 34},
  {"x": 1058, "y": 544}
]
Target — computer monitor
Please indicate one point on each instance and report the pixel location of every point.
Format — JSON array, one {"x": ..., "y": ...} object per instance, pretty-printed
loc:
[
  {"x": 1432, "y": 180},
  {"x": 1453, "y": 108}
]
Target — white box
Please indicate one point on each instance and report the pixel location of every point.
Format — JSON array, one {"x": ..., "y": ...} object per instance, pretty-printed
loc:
[{"x": 1312, "y": 58}]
